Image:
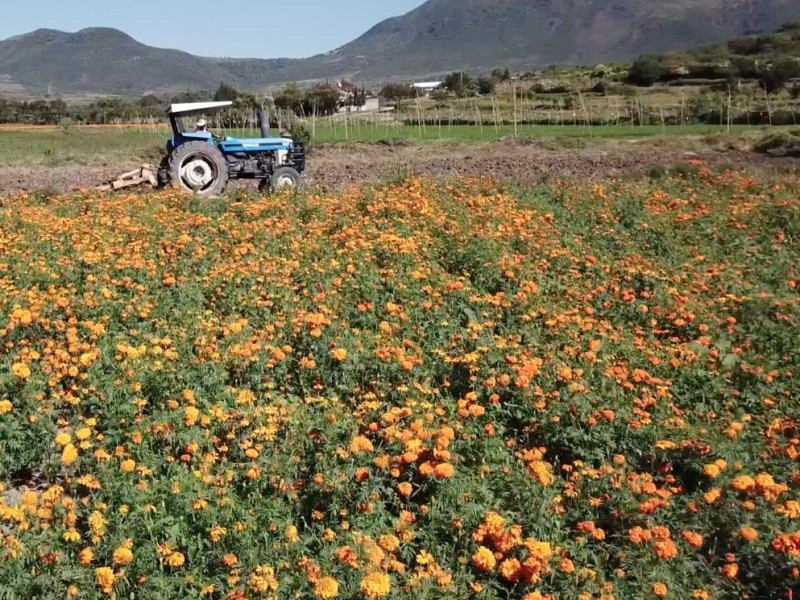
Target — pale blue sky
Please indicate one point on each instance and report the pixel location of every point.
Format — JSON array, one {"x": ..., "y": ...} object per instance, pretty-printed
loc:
[{"x": 234, "y": 28}]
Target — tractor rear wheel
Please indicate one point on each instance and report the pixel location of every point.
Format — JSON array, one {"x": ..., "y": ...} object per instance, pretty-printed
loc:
[{"x": 200, "y": 168}]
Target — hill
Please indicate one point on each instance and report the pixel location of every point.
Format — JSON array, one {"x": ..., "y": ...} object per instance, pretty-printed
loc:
[
  {"x": 444, "y": 34},
  {"x": 439, "y": 36}
]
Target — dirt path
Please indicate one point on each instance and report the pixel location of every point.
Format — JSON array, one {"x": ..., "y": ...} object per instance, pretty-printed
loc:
[{"x": 334, "y": 167}]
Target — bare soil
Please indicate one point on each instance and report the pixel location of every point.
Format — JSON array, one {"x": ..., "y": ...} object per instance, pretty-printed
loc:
[{"x": 334, "y": 167}]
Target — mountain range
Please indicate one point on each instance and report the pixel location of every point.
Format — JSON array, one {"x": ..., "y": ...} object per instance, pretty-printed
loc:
[{"x": 438, "y": 37}]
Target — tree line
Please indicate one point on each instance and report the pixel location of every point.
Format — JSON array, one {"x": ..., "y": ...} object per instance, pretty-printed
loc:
[{"x": 321, "y": 99}]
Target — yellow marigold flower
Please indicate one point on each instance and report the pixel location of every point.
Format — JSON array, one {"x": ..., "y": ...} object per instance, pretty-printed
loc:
[
  {"x": 743, "y": 483},
  {"x": 190, "y": 416},
  {"x": 263, "y": 580},
  {"x": 217, "y": 533},
  {"x": 123, "y": 555},
  {"x": 127, "y": 466},
  {"x": 86, "y": 557},
  {"x": 105, "y": 579},
  {"x": 291, "y": 534},
  {"x": 176, "y": 559},
  {"x": 361, "y": 444},
  {"x": 72, "y": 535},
  {"x": 376, "y": 585},
  {"x": 339, "y": 354},
  {"x": 326, "y": 587},
  {"x": 72, "y": 591},
  {"x": 389, "y": 542},
  {"x": 20, "y": 370},
  {"x": 83, "y": 434},
  {"x": 713, "y": 471},
  {"x": 69, "y": 455},
  {"x": 5, "y": 407},
  {"x": 533, "y": 596},
  {"x": 62, "y": 439},
  {"x": 712, "y": 495},
  {"x": 484, "y": 559}
]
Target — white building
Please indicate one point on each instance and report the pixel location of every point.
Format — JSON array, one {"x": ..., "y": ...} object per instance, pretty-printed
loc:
[{"x": 426, "y": 87}]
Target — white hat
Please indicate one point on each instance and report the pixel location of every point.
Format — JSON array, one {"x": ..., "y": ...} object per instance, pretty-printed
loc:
[{"x": 201, "y": 123}]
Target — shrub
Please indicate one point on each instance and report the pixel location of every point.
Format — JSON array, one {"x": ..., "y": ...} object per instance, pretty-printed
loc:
[{"x": 646, "y": 71}]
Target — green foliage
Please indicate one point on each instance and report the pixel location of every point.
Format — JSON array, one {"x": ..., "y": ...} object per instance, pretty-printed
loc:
[
  {"x": 646, "y": 71},
  {"x": 225, "y": 92},
  {"x": 394, "y": 92},
  {"x": 593, "y": 381},
  {"x": 460, "y": 83}
]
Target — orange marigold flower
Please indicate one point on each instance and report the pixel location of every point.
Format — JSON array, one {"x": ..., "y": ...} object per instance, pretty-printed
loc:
[
  {"x": 389, "y": 542},
  {"x": 105, "y": 579},
  {"x": 730, "y": 570},
  {"x": 748, "y": 534},
  {"x": 5, "y": 407},
  {"x": 361, "y": 444},
  {"x": 744, "y": 483},
  {"x": 510, "y": 570},
  {"x": 443, "y": 470},
  {"x": 659, "y": 589},
  {"x": 665, "y": 549},
  {"x": 339, "y": 354},
  {"x": 376, "y": 585},
  {"x": 190, "y": 416},
  {"x": 692, "y": 538},
  {"x": 86, "y": 557},
  {"x": 229, "y": 560},
  {"x": 326, "y": 587},
  {"x": 484, "y": 559},
  {"x": 405, "y": 489}
]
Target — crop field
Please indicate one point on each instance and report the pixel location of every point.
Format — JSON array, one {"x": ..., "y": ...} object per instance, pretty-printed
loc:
[
  {"x": 52, "y": 146},
  {"x": 415, "y": 390}
]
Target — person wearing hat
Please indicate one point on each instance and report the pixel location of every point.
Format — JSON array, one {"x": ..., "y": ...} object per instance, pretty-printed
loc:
[{"x": 201, "y": 126}]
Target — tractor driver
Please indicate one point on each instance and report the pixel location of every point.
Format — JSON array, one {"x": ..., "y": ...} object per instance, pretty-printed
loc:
[{"x": 201, "y": 126}]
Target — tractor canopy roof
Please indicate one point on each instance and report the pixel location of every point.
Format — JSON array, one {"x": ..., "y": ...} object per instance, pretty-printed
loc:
[{"x": 189, "y": 109}]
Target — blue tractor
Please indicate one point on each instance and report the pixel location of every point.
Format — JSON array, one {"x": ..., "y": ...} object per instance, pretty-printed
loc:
[{"x": 203, "y": 163}]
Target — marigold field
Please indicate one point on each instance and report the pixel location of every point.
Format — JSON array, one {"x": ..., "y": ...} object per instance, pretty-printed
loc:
[{"x": 416, "y": 391}]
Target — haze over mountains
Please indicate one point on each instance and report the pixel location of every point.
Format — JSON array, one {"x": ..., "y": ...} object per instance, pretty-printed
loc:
[{"x": 439, "y": 36}]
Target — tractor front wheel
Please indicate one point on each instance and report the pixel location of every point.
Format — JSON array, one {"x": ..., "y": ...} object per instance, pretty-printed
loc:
[
  {"x": 199, "y": 168},
  {"x": 285, "y": 178}
]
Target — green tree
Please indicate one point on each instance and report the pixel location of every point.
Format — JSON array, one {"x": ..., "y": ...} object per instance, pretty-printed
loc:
[
  {"x": 225, "y": 92},
  {"x": 290, "y": 98},
  {"x": 394, "y": 92},
  {"x": 501, "y": 74},
  {"x": 460, "y": 83},
  {"x": 486, "y": 85},
  {"x": 645, "y": 71}
]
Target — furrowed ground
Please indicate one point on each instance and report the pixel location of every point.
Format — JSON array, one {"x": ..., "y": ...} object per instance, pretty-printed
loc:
[{"x": 413, "y": 391}]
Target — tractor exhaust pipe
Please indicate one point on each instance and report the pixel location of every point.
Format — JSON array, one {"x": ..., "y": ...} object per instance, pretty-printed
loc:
[{"x": 263, "y": 123}]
